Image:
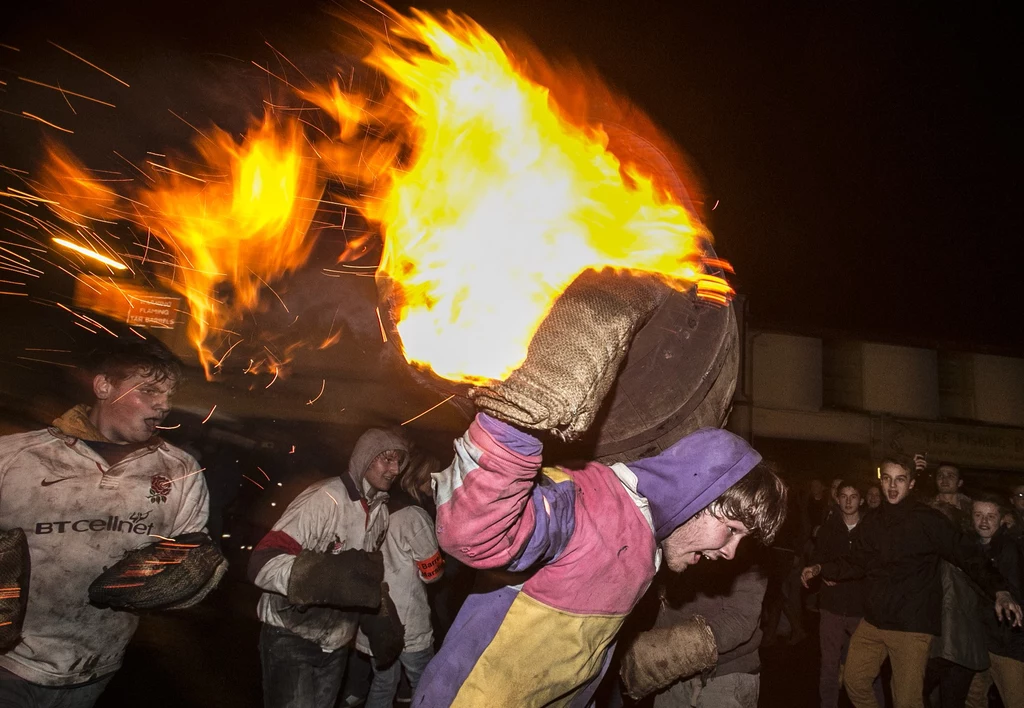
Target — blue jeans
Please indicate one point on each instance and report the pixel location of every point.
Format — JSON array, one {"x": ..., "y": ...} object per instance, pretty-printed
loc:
[
  {"x": 16, "y": 692},
  {"x": 297, "y": 673},
  {"x": 385, "y": 681}
]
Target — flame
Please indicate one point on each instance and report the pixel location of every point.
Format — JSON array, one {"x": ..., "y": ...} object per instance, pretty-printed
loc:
[
  {"x": 502, "y": 202},
  {"x": 239, "y": 230}
]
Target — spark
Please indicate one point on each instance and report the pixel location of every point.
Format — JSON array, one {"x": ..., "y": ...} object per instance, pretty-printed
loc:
[
  {"x": 276, "y": 369},
  {"x": 8, "y": 292},
  {"x": 43, "y": 361},
  {"x": 183, "y": 477},
  {"x": 84, "y": 327},
  {"x": 332, "y": 498},
  {"x": 322, "y": 386},
  {"x": 168, "y": 169},
  {"x": 7, "y": 46},
  {"x": 209, "y": 415},
  {"x": 383, "y": 334},
  {"x": 168, "y": 427},
  {"x": 65, "y": 91},
  {"x": 264, "y": 473},
  {"x": 33, "y": 116},
  {"x": 90, "y": 321},
  {"x": 90, "y": 253},
  {"x": 221, "y": 360},
  {"x": 430, "y": 409},
  {"x": 126, "y": 392},
  {"x": 253, "y": 481},
  {"x": 162, "y": 538},
  {"x": 89, "y": 63},
  {"x": 186, "y": 123},
  {"x": 137, "y": 334},
  {"x": 272, "y": 290}
]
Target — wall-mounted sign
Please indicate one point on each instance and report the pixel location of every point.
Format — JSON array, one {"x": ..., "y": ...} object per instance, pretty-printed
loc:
[
  {"x": 130, "y": 303},
  {"x": 968, "y": 445}
]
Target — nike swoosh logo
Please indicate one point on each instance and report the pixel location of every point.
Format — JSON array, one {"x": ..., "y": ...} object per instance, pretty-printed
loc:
[{"x": 48, "y": 482}]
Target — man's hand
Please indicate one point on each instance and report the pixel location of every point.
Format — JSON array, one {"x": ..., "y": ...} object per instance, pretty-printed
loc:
[
  {"x": 920, "y": 462},
  {"x": 810, "y": 572},
  {"x": 1007, "y": 609}
]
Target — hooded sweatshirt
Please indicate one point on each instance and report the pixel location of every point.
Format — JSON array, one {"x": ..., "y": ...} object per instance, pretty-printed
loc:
[
  {"x": 576, "y": 550},
  {"x": 330, "y": 516},
  {"x": 83, "y": 502}
]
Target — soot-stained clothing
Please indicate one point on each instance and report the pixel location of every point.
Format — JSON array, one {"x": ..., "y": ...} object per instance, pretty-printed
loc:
[
  {"x": 411, "y": 559},
  {"x": 330, "y": 516},
  {"x": 83, "y": 502},
  {"x": 575, "y": 549}
]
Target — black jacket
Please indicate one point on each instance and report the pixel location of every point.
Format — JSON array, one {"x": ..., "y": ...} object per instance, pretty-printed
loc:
[
  {"x": 834, "y": 541},
  {"x": 898, "y": 551},
  {"x": 1001, "y": 637}
]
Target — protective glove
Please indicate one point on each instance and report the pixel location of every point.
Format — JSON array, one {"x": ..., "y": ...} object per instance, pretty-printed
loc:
[
  {"x": 14, "y": 573},
  {"x": 575, "y": 354},
  {"x": 167, "y": 574},
  {"x": 348, "y": 579},
  {"x": 661, "y": 656},
  {"x": 384, "y": 630}
]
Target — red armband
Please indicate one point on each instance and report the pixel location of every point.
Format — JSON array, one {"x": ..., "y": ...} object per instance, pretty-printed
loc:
[{"x": 431, "y": 568}]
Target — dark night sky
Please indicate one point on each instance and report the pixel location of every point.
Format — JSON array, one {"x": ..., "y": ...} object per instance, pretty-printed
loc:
[{"x": 863, "y": 155}]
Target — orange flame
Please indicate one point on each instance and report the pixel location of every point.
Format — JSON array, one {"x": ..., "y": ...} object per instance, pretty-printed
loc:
[
  {"x": 244, "y": 227},
  {"x": 503, "y": 201}
]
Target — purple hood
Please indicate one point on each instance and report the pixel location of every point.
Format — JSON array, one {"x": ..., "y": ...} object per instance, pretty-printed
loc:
[{"x": 686, "y": 477}]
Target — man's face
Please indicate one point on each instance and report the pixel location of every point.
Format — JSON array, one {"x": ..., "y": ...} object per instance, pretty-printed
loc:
[
  {"x": 817, "y": 488},
  {"x": 849, "y": 500},
  {"x": 704, "y": 535},
  {"x": 129, "y": 409},
  {"x": 947, "y": 479},
  {"x": 1017, "y": 497},
  {"x": 874, "y": 497},
  {"x": 835, "y": 488},
  {"x": 896, "y": 483},
  {"x": 986, "y": 519},
  {"x": 384, "y": 469}
]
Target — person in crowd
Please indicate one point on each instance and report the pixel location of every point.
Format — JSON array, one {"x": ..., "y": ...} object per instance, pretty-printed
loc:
[
  {"x": 578, "y": 548},
  {"x": 1005, "y": 643},
  {"x": 949, "y": 482},
  {"x": 898, "y": 550},
  {"x": 873, "y": 497},
  {"x": 817, "y": 506},
  {"x": 411, "y": 560},
  {"x": 1016, "y": 509},
  {"x": 841, "y": 604},
  {"x": 97, "y": 484},
  {"x": 728, "y": 596},
  {"x": 782, "y": 596},
  {"x": 958, "y": 653},
  {"x": 316, "y": 566}
]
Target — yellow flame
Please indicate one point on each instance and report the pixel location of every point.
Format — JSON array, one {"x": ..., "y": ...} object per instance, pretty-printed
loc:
[
  {"x": 241, "y": 230},
  {"x": 503, "y": 202}
]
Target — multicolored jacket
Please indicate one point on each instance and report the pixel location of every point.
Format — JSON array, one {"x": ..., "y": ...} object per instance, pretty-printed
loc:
[{"x": 577, "y": 549}]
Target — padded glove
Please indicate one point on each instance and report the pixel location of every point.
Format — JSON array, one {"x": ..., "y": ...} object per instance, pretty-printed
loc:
[
  {"x": 163, "y": 575},
  {"x": 660, "y": 657},
  {"x": 384, "y": 630},
  {"x": 575, "y": 354},
  {"x": 14, "y": 572},
  {"x": 348, "y": 579}
]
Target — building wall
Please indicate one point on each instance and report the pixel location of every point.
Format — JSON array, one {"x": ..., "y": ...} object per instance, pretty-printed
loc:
[
  {"x": 998, "y": 389},
  {"x": 901, "y": 381},
  {"x": 787, "y": 372}
]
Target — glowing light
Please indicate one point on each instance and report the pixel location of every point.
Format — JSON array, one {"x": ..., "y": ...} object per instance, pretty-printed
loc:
[{"x": 89, "y": 253}]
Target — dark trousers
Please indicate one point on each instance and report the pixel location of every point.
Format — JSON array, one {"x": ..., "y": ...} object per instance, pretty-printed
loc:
[
  {"x": 16, "y": 692},
  {"x": 952, "y": 680},
  {"x": 297, "y": 673}
]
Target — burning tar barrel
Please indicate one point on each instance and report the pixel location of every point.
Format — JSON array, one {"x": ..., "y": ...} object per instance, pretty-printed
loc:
[{"x": 681, "y": 367}]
